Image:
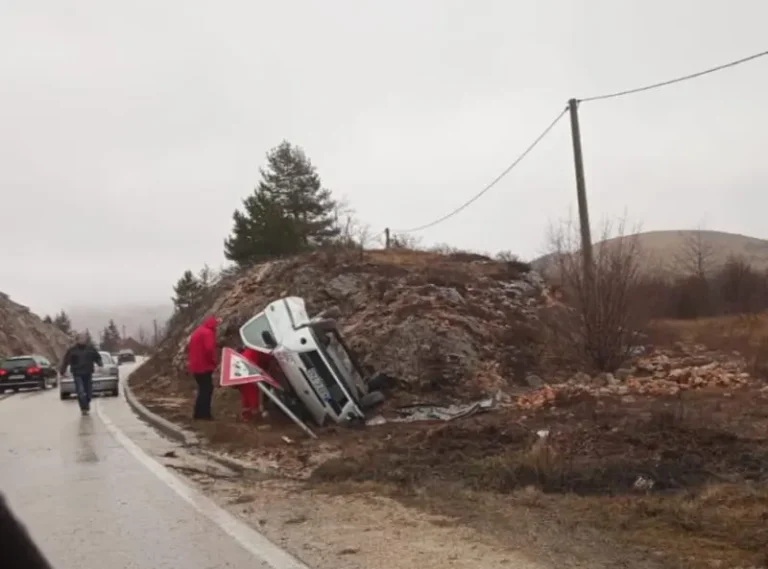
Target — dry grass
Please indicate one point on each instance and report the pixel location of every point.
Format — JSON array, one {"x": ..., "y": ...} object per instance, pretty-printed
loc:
[
  {"x": 716, "y": 526},
  {"x": 746, "y": 334}
]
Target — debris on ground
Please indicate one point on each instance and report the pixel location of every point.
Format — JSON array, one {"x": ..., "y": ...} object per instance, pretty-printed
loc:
[
  {"x": 662, "y": 372},
  {"x": 429, "y": 412}
]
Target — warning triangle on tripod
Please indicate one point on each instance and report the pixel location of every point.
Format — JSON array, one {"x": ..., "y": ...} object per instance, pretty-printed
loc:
[{"x": 237, "y": 370}]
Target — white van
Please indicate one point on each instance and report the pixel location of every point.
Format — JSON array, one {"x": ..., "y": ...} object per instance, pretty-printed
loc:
[{"x": 322, "y": 374}]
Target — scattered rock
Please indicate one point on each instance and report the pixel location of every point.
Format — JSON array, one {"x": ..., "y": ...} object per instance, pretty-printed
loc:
[
  {"x": 534, "y": 381},
  {"x": 623, "y": 373},
  {"x": 349, "y": 551},
  {"x": 658, "y": 373},
  {"x": 580, "y": 378},
  {"x": 343, "y": 286}
]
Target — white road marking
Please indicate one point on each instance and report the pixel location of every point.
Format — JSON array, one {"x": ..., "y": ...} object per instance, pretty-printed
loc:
[{"x": 251, "y": 540}]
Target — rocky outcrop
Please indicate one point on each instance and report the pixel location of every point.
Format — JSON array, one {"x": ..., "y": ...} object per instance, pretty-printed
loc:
[
  {"x": 445, "y": 326},
  {"x": 22, "y": 332}
]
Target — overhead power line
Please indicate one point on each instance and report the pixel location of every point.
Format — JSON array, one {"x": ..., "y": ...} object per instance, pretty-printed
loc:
[
  {"x": 676, "y": 80},
  {"x": 477, "y": 196}
]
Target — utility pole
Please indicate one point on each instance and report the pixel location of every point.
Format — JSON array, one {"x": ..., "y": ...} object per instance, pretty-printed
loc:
[
  {"x": 581, "y": 189},
  {"x": 386, "y": 238},
  {"x": 123, "y": 331},
  {"x": 154, "y": 324}
]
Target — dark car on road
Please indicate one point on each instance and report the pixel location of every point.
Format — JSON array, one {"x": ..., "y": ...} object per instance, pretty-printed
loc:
[
  {"x": 126, "y": 356},
  {"x": 19, "y": 372}
]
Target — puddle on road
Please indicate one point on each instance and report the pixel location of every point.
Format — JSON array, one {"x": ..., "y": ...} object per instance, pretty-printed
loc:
[{"x": 86, "y": 452}]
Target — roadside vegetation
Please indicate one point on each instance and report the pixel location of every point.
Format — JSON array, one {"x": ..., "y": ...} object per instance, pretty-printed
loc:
[{"x": 637, "y": 417}]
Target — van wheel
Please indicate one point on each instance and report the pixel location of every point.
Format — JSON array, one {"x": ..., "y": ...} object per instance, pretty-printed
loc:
[
  {"x": 372, "y": 399},
  {"x": 63, "y": 396},
  {"x": 114, "y": 393}
]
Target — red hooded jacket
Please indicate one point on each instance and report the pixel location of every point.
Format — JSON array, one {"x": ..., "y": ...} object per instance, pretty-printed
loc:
[
  {"x": 258, "y": 358},
  {"x": 201, "y": 351}
]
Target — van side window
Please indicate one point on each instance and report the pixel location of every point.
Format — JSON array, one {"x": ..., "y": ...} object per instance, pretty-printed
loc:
[{"x": 251, "y": 331}]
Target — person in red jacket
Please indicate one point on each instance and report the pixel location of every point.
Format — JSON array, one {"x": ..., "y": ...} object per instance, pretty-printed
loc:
[{"x": 201, "y": 362}]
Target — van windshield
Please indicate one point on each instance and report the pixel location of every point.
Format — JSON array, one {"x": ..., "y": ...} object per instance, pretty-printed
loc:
[{"x": 252, "y": 332}]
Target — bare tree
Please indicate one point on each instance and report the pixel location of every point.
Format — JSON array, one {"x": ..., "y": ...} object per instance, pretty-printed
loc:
[
  {"x": 696, "y": 257},
  {"x": 507, "y": 257},
  {"x": 207, "y": 277},
  {"x": 404, "y": 241},
  {"x": 602, "y": 315},
  {"x": 696, "y": 261}
]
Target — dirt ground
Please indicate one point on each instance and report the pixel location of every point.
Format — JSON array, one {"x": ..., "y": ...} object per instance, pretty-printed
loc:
[{"x": 593, "y": 480}]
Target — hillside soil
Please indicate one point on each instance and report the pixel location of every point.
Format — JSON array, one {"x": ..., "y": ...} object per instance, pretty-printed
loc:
[
  {"x": 663, "y": 464},
  {"x": 669, "y": 473}
]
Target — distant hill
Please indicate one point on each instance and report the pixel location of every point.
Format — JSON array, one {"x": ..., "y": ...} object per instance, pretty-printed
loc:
[
  {"x": 134, "y": 317},
  {"x": 671, "y": 250}
]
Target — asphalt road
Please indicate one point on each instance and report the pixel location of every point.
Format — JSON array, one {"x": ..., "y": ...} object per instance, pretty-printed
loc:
[{"x": 93, "y": 494}]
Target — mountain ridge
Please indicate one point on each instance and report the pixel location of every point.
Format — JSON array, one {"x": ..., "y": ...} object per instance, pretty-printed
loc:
[{"x": 667, "y": 250}]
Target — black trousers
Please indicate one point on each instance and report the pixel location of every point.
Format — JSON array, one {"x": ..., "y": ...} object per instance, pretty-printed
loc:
[{"x": 204, "y": 395}]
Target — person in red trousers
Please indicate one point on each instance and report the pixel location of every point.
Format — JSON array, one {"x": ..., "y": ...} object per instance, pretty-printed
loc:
[{"x": 250, "y": 394}]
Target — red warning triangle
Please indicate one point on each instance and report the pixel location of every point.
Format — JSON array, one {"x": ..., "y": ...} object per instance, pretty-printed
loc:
[{"x": 237, "y": 370}]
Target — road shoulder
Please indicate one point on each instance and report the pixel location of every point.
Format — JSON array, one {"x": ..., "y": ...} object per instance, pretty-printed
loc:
[{"x": 358, "y": 529}]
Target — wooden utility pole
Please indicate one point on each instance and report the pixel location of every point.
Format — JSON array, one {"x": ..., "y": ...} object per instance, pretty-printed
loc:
[
  {"x": 581, "y": 188},
  {"x": 386, "y": 238},
  {"x": 154, "y": 324}
]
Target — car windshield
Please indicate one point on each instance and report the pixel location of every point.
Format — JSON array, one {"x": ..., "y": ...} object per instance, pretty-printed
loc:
[
  {"x": 12, "y": 363},
  {"x": 106, "y": 358}
]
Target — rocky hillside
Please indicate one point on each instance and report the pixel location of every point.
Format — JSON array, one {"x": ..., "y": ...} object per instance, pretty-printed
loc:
[
  {"x": 22, "y": 332},
  {"x": 446, "y": 326}
]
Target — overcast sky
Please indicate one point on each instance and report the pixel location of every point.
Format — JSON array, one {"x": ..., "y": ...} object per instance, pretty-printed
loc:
[{"x": 130, "y": 131}]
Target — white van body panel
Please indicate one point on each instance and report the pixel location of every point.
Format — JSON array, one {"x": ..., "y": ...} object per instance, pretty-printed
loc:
[{"x": 303, "y": 360}]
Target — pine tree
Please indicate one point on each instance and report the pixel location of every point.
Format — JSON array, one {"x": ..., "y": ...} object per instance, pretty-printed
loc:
[
  {"x": 261, "y": 231},
  {"x": 88, "y": 337},
  {"x": 187, "y": 290},
  {"x": 292, "y": 180},
  {"x": 48, "y": 319},
  {"x": 288, "y": 212},
  {"x": 63, "y": 323},
  {"x": 110, "y": 337}
]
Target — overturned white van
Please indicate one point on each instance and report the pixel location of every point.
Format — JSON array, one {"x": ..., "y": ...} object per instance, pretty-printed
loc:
[{"x": 323, "y": 379}]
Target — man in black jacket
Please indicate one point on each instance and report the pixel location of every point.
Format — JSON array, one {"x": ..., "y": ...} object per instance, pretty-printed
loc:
[{"x": 80, "y": 359}]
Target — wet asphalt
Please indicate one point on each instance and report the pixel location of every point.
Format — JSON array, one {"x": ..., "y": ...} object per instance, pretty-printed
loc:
[{"x": 88, "y": 502}]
